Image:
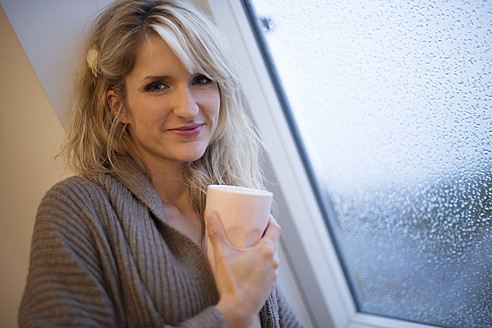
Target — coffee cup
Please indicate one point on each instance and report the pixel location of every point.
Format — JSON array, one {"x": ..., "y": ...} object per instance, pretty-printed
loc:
[{"x": 242, "y": 211}]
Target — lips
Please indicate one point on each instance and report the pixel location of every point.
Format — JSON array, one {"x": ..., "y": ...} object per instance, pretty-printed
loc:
[{"x": 188, "y": 131}]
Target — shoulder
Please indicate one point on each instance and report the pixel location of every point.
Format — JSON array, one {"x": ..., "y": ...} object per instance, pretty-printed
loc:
[
  {"x": 73, "y": 216},
  {"x": 74, "y": 183},
  {"x": 72, "y": 191},
  {"x": 73, "y": 201},
  {"x": 94, "y": 201}
]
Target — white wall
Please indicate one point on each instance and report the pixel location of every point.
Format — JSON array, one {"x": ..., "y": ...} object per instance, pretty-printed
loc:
[{"x": 50, "y": 33}]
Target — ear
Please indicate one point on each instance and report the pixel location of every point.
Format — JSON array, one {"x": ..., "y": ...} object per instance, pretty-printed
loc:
[{"x": 116, "y": 105}]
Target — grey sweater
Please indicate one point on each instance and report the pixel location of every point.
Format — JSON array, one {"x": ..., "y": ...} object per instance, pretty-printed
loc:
[{"x": 104, "y": 255}]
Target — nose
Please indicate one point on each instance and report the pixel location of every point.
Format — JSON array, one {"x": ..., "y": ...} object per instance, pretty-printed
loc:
[{"x": 186, "y": 105}]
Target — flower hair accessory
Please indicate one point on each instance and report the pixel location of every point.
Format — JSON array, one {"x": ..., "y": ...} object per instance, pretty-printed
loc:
[{"x": 93, "y": 61}]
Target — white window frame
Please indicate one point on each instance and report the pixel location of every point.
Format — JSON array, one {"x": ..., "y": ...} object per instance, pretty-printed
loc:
[{"x": 305, "y": 237}]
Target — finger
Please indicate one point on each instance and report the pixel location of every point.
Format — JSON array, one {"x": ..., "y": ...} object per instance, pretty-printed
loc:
[
  {"x": 215, "y": 231},
  {"x": 214, "y": 227},
  {"x": 269, "y": 243},
  {"x": 272, "y": 231}
]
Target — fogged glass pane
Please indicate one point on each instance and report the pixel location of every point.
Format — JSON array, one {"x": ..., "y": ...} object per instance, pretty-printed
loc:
[{"x": 392, "y": 101}]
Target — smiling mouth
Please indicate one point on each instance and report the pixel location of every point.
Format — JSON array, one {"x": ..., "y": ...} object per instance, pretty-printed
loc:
[
  {"x": 187, "y": 127},
  {"x": 187, "y": 131}
]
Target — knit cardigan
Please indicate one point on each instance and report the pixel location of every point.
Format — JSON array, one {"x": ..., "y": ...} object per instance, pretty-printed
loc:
[{"x": 104, "y": 255}]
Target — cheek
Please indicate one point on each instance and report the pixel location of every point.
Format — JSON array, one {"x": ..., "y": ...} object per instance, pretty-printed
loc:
[
  {"x": 217, "y": 109},
  {"x": 214, "y": 116},
  {"x": 213, "y": 108},
  {"x": 143, "y": 111}
]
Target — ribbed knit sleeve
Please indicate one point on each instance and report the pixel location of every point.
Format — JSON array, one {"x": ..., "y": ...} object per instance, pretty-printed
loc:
[
  {"x": 65, "y": 284},
  {"x": 287, "y": 317},
  {"x": 277, "y": 312},
  {"x": 98, "y": 259}
]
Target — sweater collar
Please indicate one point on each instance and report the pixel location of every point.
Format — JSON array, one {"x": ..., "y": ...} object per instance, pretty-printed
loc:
[{"x": 132, "y": 177}]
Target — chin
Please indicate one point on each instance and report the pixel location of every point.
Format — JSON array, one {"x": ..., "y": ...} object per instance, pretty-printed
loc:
[{"x": 194, "y": 156}]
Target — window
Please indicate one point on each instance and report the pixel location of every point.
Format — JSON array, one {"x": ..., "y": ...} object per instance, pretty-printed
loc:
[{"x": 388, "y": 105}]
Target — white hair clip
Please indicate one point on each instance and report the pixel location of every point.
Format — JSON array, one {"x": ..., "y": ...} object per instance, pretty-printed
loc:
[{"x": 92, "y": 61}]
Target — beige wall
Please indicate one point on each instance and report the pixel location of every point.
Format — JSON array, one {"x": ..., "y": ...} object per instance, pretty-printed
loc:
[{"x": 30, "y": 136}]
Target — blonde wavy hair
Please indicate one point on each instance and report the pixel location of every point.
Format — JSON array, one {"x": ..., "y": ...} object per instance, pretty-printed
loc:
[{"x": 96, "y": 138}]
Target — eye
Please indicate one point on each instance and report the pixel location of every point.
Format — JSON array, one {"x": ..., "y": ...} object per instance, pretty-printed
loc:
[
  {"x": 201, "y": 79},
  {"x": 156, "y": 86}
]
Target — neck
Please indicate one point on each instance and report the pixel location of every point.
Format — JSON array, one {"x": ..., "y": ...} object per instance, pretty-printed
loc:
[
  {"x": 168, "y": 184},
  {"x": 166, "y": 178},
  {"x": 179, "y": 212}
]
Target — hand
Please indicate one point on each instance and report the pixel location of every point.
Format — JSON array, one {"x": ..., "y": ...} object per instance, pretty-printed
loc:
[{"x": 244, "y": 277}]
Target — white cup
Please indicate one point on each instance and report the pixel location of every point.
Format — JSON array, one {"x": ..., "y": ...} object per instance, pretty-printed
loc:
[{"x": 243, "y": 212}]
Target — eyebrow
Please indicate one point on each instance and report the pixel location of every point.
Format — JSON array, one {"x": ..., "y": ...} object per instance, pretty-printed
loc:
[{"x": 156, "y": 77}]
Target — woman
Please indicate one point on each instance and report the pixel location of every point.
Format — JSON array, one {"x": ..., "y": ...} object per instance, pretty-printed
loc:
[{"x": 158, "y": 118}]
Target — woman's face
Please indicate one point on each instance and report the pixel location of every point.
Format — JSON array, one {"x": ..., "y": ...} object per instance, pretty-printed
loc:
[{"x": 172, "y": 113}]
